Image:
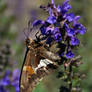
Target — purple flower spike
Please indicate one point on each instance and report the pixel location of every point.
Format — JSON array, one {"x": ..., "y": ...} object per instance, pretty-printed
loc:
[
  {"x": 74, "y": 41},
  {"x": 61, "y": 26},
  {"x": 69, "y": 54}
]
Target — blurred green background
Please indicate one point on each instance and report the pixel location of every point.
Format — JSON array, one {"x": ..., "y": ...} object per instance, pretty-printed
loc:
[{"x": 14, "y": 16}]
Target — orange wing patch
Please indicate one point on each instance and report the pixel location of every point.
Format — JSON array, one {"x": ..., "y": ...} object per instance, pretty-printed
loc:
[{"x": 29, "y": 70}]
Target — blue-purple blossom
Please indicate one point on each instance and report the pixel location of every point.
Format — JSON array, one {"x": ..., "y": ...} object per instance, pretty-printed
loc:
[
  {"x": 74, "y": 41},
  {"x": 10, "y": 79},
  {"x": 61, "y": 26},
  {"x": 57, "y": 37},
  {"x": 82, "y": 29},
  {"x": 78, "y": 26},
  {"x": 50, "y": 12},
  {"x": 70, "y": 17},
  {"x": 6, "y": 79},
  {"x": 49, "y": 30},
  {"x": 65, "y": 7},
  {"x": 52, "y": 1},
  {"x": 75, "y": 21},
  {"x": 15, "y": 79},
  {"x": 57, "y": 34},
  {"x": 69, "y": 54},
  {"x": 70, "y": 31},
  {"x": 51, "y": 19}
]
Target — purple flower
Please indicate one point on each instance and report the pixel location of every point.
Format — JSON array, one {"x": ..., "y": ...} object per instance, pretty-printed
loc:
[
  {"x": 65, "y": 7},
  {"x": 71, "y": 32},
  {"x": 69, "y": 54},
  {"x": 75, "y": 21},
  {"x": 57, "y": 34},
  {"x": 49, "y": 30},
  {"x": 51, "y": 19},
  {"x": 61, "y": 25},
  {"x": 51, "y": 12},
  {"x": 15, "y": 79},
  {"x": 78, "y": 26},
  {"x": 54, "y": 32},
  {"x": 74, "y": 41},
  {"x": 6, "y": 79},
  {"x": 16, "y": 74},
  {"x": 82, "y": 29},
  {"x": 70, "y": 17},
  {"x": 59, "y": 8},
  {"x": 57, "y": 37},
  {"x": 66, "y": 27},
  {"x": 52, "y": 1}
]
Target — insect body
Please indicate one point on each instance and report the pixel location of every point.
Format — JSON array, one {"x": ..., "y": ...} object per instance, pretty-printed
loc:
[{"x": 39, "y": 61}]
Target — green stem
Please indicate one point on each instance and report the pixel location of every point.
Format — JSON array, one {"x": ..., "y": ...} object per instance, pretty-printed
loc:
[{"x": 70, "y": 77}]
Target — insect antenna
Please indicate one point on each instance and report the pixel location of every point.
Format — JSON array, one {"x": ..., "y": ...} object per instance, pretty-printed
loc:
[{"x": 28, "y": 30}]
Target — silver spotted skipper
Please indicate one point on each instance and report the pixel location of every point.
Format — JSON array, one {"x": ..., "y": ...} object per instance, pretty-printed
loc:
[{"x": 38, "y": 62}]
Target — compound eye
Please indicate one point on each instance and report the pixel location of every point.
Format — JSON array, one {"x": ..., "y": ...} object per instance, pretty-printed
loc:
[{"x": 27, "y": 41}]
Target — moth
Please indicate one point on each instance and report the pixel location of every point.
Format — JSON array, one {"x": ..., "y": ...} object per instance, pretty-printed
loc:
[{"x": 39, "y": 61}]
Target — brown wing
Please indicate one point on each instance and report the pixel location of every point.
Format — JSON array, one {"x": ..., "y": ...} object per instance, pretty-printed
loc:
[
  {"x": 27, "y": 70},
  {"x": 29, "y": 78}
]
